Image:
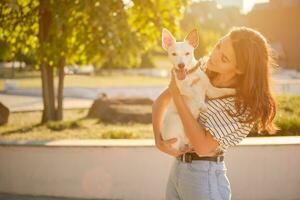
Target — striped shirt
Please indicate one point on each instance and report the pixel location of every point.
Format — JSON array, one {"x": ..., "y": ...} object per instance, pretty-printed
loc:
[{"x": 227, "y": 130}]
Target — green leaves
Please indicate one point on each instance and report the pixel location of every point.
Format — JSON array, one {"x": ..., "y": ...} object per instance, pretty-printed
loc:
[
  {"x": 18, "y": 26},
  {"x": 101, "y": 32}
]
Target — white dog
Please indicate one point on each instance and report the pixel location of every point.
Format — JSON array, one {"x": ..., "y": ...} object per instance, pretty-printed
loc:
[{"x": 192, "y": 82}]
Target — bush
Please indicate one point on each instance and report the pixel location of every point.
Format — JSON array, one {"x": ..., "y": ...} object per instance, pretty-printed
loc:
[
  {"x": 288, "y": 114},
  {"x": 61, "y": 125},
  {"x": 119, "y": 134}
]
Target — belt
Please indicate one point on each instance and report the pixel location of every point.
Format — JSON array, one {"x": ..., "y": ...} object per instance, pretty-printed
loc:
[{"x": 189, "y": 156}]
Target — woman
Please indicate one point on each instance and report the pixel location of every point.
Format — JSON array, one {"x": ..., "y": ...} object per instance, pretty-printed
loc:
[{"x": 240, "y": 60}]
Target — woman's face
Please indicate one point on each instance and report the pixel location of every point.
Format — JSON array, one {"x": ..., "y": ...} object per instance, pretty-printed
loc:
[{"x": 222, "y": 58}]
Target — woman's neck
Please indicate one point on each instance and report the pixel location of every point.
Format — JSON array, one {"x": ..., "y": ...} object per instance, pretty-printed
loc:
[{"x": 222, "y": 81}]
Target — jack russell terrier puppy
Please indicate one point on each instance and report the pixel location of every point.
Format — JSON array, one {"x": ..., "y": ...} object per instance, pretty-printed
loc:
[{"x": 192, "y": 83}]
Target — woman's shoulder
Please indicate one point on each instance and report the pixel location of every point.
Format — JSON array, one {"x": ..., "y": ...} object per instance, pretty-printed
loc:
[
  {"x": 223, "y": 106},
  {"x": 221, "y": 103}
]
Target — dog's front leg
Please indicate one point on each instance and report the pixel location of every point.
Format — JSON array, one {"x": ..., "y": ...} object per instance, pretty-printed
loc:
[
  {"x": 199, "y": 96},
  {"x": 211, "y": 91},
  {"x": 214, "y": 92},
  {"x": 219, "y": 92}
]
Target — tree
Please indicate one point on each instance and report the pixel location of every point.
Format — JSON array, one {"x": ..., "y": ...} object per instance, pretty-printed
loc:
[{"x": 102, "y": 32}]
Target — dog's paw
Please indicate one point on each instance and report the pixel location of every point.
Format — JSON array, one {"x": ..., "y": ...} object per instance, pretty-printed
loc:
[{"x": 230, "y": 91}]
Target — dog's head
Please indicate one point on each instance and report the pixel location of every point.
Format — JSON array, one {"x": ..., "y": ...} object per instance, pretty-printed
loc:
[{"x": 181, "y": 54}]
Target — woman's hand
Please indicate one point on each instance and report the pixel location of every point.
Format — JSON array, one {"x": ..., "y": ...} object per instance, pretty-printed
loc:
[
  {"x": 165, "y": 146},
  {"x": 173, "y": 89}
]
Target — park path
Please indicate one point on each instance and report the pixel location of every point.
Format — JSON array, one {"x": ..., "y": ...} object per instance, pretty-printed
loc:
[
  {"x": 81, "y": 97},
  {"x": 29, "y": 197},
  {"x": 31, "y": 99}
]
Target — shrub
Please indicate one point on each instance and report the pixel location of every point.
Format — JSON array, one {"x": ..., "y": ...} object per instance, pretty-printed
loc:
[
  {"x": 61, "y": 125},
  {"x": 119, "y": 134}
]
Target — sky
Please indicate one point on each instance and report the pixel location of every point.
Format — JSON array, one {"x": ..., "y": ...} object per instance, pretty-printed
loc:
[{"x": 248, "y": 4}]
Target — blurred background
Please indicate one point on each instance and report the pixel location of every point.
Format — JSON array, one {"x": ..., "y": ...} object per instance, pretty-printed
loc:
[
  {"x": 91, "y": 69},
  {"x": 75, "y": 70}
]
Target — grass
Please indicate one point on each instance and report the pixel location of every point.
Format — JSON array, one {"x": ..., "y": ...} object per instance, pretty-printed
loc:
[
  {"x": 25, "y": 126},
  {"x": 288, "y": 114}
]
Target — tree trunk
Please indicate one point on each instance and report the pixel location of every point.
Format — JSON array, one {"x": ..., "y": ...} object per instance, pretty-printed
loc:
[
  {"x": 13, "y": 68},
  {"x": 46, "y": 111},
  {"x": 60, "y": 91},
  {"x": 46, "y": 70}
]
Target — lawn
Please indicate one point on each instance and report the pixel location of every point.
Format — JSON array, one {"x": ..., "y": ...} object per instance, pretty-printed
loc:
[{"x": 25, "y": 125}]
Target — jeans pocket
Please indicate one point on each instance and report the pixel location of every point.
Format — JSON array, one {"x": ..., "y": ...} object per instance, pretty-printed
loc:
[{"x": 223, "y": 184}]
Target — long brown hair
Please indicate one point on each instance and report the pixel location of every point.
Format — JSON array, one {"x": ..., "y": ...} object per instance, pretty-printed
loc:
[{"x": 253, "y": 92}]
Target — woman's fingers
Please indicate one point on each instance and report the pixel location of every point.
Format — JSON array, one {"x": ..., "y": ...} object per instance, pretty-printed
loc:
[{"x": 170, "y": 150}]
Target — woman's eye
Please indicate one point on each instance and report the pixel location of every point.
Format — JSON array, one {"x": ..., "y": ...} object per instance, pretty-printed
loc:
[
  {"x": 187, "y": 53},
  {"x": 174, "y": 54}
]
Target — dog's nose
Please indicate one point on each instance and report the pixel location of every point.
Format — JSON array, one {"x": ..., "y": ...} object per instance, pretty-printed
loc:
[{"x": 181, "y": 66}]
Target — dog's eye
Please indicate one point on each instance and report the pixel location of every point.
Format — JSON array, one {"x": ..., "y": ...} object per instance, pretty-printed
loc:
[
  {"x": 187, "y": 53},
  {"x": 174, "y": 54}
]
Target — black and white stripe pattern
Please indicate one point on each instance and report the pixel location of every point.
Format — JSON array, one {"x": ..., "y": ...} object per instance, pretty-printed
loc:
[{"x": 227, "y": 130}]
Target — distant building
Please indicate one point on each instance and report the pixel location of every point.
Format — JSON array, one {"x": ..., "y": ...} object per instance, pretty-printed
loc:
[
  {"x": 279, "y": 21},
  {"x": 211, "y": 20},
  {"x": 231, "y": 3},
  {"x": 210, "y": 16}
]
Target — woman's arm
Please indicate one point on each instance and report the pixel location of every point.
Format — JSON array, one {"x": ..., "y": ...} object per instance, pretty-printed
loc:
[
  {"x": 158, "y": 108},
  {"x": 202, "y": 141}
]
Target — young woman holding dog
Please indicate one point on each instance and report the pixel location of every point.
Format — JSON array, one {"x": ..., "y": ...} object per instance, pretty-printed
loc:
[{"x": 241, "y": 60}]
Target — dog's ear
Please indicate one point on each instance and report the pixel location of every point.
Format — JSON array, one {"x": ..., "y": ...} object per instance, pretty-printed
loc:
[
  {"x": 193, "y": 38},
  {"x": 167, "y": 39}
]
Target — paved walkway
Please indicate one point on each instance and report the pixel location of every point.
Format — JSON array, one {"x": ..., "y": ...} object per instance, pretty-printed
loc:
[
  {"x": 31, "y": 99},
  {"x": 80, "y": 97},
  {"x": 29, "y": 197},
  {"x": 30, "y": 103}
]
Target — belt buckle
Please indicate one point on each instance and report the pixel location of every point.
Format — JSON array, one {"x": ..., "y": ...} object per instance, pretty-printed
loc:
[{"x": 187, "y": 158}]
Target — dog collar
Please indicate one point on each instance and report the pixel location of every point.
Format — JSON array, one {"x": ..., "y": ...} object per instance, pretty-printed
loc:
[{"x": 193, "y": 69}]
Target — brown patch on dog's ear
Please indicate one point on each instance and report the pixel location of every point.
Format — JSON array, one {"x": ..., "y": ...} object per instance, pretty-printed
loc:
[
  {"x": 193, "y": 38},
  {"x": 167, "y": 39}
]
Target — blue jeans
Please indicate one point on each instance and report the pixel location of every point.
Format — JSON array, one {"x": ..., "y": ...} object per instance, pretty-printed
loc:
[{"x": 199, "y": 180}]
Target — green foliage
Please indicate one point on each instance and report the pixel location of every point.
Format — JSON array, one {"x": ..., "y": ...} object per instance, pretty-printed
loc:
[
  {"x": 288, "y": 115},
  {"x": 288, "y": 123},
  {"x": 100, "y": 32},
  {"x": 287, "y": 118},
  {"x": 18, "y": 27},
  {"x": 119, "y": 134},
  {"x": 61, "y": 125},
  {"x": 4, "y": 51}
]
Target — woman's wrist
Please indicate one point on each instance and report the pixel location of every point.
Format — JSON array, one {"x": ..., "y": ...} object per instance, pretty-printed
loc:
[{"x": 157, "y": 139}]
